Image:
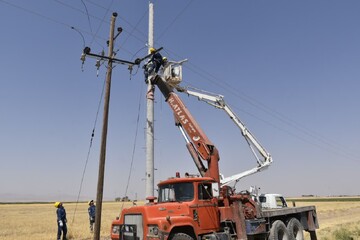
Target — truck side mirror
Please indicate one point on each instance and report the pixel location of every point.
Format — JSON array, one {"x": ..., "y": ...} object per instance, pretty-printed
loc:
[{"x": 215, "y": 189}]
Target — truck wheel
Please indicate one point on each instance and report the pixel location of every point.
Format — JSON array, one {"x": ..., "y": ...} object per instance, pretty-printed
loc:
[
  {"x": 295, "y": 229},
  {"x": 181, "y": 236},
  {"x": 279, "y": 231}
]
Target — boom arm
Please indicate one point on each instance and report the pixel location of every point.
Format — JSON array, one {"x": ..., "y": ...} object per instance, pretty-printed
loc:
[
  {"x": 255, "y": 146},
  {"x": 198, "y": 144}
]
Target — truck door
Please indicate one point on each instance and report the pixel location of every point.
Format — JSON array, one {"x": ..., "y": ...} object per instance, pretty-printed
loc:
[{"x": 207, "y": 213}]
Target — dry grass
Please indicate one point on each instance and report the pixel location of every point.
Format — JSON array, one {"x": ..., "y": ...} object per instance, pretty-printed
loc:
[
  {"x": 335, "y": 217},
  {"x": 38, "y": 221}
]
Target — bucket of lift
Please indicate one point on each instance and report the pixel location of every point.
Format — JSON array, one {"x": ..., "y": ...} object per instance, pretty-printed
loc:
[{"x": 173, "y": 74}]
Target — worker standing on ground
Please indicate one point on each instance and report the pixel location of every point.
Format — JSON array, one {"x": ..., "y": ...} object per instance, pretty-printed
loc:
[
  {"x": 91, "y": 211},
  {"x": 61, "y": 221}
]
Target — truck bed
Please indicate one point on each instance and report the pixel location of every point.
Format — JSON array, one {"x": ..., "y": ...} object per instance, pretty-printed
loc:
[{"x": 284, "y": 211}]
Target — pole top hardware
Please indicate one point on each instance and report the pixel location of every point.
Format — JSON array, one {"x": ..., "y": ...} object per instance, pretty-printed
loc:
[{"x": 87, "y": 51}]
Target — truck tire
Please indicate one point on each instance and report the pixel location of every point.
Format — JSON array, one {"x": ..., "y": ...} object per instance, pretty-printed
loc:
[
  {"x": 181, "y": 236},
  {"x": 296, "y": 230},
  {"x": 278, "y": 231}
]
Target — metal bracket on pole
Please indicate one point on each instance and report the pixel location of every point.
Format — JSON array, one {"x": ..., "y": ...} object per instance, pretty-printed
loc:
[{"x": 87, "y": 51}]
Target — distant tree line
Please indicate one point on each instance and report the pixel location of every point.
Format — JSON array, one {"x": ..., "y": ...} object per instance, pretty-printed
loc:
[{"x": 122, "y": 199}]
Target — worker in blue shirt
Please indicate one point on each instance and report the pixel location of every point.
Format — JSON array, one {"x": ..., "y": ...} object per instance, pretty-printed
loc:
[
  {"x": 61, "y": 220},
  {"x": 154, "y": 63},
  {"x": 91, "y": 211},
  {"x": 156, "y": 58}
]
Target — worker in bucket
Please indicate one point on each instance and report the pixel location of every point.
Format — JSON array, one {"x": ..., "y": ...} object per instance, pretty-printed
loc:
[
  {"x": 91, "y": 211},
  {"x": 61, "y": 221},
  {"x": 148, "y": 68},
  {"x": 156, "y": 58},
  {"x": 154, "y": 64},
  {"x": 164, "y": 63}
]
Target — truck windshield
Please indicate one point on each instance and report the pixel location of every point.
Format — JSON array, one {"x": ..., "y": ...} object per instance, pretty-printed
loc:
[{"x": 178, "y": 192}]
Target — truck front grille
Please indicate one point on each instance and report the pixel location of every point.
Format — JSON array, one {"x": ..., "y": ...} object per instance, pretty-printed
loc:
[{"x": 131, "y": 232}]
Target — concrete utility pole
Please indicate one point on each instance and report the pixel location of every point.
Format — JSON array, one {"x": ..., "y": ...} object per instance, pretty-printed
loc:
[
  {"x": 99, "y": 194},
  {"x": 150, "y": 117}
]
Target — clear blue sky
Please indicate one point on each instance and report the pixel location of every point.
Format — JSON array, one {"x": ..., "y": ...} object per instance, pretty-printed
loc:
[{"x": 290, "y": 69}]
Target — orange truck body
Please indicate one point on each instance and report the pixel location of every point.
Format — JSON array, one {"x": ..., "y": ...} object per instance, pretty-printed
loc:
[{"x": 199, "y": 207}]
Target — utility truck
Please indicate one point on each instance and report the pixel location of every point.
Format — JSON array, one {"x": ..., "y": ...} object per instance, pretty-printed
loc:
[
  {"x": 268, "y": 200},
  {"x": 206, "y": 206}
]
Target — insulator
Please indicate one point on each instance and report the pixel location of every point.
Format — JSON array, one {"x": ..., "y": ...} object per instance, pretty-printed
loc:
[
  {"x": 83, "y": 56},
  {"x": 98, "y": 64}
]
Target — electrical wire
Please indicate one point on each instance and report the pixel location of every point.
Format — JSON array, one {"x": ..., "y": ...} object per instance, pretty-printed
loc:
[
  {"x": 98, "y": 29},
  {"x": 87, "y": 13},
  {"x": 49, "y": 18},
  {"x": 174, "y": 20},
  {"x": 255, "y": 103},
  {"x": 80, "y": 31},
  {"x": 89, "y": 150},
  {"x": 321, "y": 142},
  {"x": 135, "y": 28},
  {"x": 102, "y": 20},
  {"x": 124, "y": 30},
  {"x": 94, "y": 36},
  {"x": 134, "y": 145},
  {"x": 205, "y": 75},
  {"x": 82, "y": 36},
  {"x": 127, "y": 22},
  {"x": 35, "y": 13}
]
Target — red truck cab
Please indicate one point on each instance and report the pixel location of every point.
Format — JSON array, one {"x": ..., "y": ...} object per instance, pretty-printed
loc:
[{"x": 184, "y": 206}]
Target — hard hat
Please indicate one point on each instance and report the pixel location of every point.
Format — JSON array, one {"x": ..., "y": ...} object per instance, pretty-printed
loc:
[
  {"x": 91, "y": 201},
  {"x": 164, "y": 58},
  {"x": 152, "y": 50},
  {"x": 57, "y": 204}
]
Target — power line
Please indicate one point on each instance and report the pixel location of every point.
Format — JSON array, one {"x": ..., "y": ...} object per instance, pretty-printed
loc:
[
  {"x": 35, "y": 13},
  {"x": 127, "y": 22},
  {"x": 48, "y": 18},
  {"x": 134, "y": 144},
  {"x": 79, "y": 30},
  {"x": 89, "y": 150},
  {"x": 135, "y": 27},
  {"x": 324, "y": 142},
  {"x": 87, "y": 13},
  {"x": 82, "y": 36},
  {"x": 101, "y": 20},
  {"x": 175, "y": 19},
  {"x": 204, "y": 74},
  {"x": 255, "y": 103}
]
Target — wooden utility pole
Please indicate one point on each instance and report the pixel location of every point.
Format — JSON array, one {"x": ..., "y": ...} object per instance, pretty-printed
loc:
[{"x": 100, "y": 186}]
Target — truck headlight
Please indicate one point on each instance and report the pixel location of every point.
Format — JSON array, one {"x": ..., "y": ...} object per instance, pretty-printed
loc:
[
  {"x": 116, "y": 229},
  {"x": 153, "y": 230}
]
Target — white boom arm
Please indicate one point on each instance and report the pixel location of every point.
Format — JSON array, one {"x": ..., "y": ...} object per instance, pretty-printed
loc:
[{"x": 256, "y": 148}]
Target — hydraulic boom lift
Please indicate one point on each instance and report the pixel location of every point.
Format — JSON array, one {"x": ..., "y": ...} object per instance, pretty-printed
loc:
[
  {"x": 206, "y": 207},
  {"x": 218, "y": 102}
]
